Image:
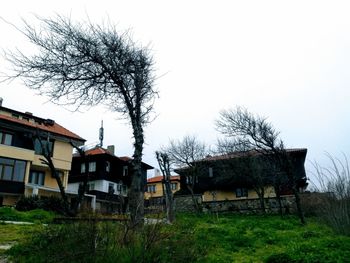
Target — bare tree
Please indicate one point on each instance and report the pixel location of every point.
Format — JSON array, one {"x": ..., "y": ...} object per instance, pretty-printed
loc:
[
  {"x": 164, "y": 165},
  {"x": 84, "y": 64},
  {"x": 46, "y": 152},
  {"x": 186, "y": 153},
  {"x": 254, "y": 132}
]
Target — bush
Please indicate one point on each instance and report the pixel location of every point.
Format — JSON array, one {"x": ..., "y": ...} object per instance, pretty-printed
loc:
[{"x": 51, "y": 203}]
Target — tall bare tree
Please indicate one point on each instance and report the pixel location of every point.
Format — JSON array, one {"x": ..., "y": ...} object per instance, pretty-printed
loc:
[
  {"x": 46, "y": 152},
  {"x": 186, "y": 153},
  {"x": 85, "y": 64},
  {"x": 164, "y": 165},
  {"x": 254, "y": 132}
]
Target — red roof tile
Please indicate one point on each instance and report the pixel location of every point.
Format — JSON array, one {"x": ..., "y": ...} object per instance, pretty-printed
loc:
[
  {"x": 54, "y": 128},
  {"x": 243, "y": 154},
  {"x": 98, "y": 150},
  {"x": 158, "y": 179}
]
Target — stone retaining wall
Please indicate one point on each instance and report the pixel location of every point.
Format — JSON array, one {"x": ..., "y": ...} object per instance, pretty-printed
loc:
[{"x": 184, "y": 203}]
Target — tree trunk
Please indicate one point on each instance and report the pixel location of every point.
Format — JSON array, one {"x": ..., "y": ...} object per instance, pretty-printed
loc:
[
  {"x": 298, "y": 204},
  {"x": 261, "y": 193},
  {"x": 53, "y": 171},
  {"x": 169, "y": 200},
  {"x": 136, "y": 191},
  {"x": 279, "y": 201},
  {"x": 194, "y": 199}
]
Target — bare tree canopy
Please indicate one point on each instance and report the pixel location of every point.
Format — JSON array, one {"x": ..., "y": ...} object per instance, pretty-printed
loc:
[
  {"x": 84, "y": 64},
  {"x": 246, "y": 131},
  {"x": 187, "y": 151}
]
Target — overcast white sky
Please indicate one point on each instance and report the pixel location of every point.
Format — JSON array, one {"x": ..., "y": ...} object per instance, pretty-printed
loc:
[{"x": 286, "y": 60}]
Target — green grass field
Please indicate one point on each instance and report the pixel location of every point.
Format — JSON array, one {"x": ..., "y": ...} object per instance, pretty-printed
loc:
[
  {"x": 238, "y": 238},
  {"x": 193, "y": 238}
]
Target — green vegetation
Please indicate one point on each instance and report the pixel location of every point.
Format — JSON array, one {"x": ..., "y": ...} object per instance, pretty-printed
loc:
[
  {"x": 237, "y": 238},
  {"x": 193, "y": 238},
  {"x": 34, "y": 216}
]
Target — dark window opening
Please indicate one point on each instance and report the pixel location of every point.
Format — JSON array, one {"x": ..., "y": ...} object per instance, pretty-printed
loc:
[
  {"x": 241, "y": 192},
  {"x": 37, "y": 177},
  {"x": 6, "y": 138},
  {"x": 12, "y": 169},
  {"x": 43, "y": 146}
]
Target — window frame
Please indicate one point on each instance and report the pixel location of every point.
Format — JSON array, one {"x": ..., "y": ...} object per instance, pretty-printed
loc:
[
  {"x": 241, "y": 192},
  {"x": 4, "y": 136},
  {"x": 12, "y": 166},
  {"x": 151, "y": 188},
  {"x": 173, "y": 186},
  {"x": 92, "y": 167},
  {"x": 37, "y": 146},
  {"x": 37, "y": 177}
]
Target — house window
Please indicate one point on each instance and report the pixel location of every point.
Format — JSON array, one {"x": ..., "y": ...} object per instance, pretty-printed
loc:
[
  {"x": 43, "y": 146},
  {"x": 173, "y": 186},
  {"x": 241, "y": 192},
  {"x": 91, "y": 186},
  {"x": 108, "y": 166},
  {"x": 12, "y": 169},
  {"x": 211, "y": 172},
  {"x": 151, "y": 188},
  {"x": 92, "y": 166},
  {"x": 6, "y": 138},
  {"x": 82, "y": 168},
  {"x": 111, "y": 188},
  {"x": 125, "y": 170},
  {"x": 59, "y": 173},
  {"x": 37, "y": 177}
]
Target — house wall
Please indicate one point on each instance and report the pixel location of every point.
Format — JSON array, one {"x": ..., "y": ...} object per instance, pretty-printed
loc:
[
  {"x": 159, "y": 190},
  {"x": 184, "y": 203},
  {"x": 62, "y": 158},
  {"x": 221, "y": 195},
  {"x": 16, "y": 153},
  {"x": 9, "y": 200},
  {"x": 99, "y": 185},
  {"x": 158, "y": 193}
]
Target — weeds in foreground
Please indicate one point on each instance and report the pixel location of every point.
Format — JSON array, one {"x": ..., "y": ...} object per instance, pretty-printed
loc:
[
  {"x": 333, "y": 185},
  {"x": 192, "y": 238}
]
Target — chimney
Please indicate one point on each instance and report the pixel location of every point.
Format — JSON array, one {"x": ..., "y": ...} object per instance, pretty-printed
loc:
[
  {"x": 1, "y": 100},
  {"x": 110, "y": 149},
  {"x": 29, "y": 113}
]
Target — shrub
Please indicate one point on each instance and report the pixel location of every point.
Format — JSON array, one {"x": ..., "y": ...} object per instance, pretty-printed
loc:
[
  {"x": 51, "y": 203},
  {"x": 94, "y": 241}
]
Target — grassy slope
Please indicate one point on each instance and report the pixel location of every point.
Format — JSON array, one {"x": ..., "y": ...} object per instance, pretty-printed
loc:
[
  {"x": 235, "y": 238},
  {"x": 226, "y": 238}
]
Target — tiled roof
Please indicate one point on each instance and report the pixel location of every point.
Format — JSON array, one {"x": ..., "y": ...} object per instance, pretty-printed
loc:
[
  {"x": 158, "y": 179},
  {"x": 44, "y": 126},
  {"x": 126, "y": 158},
  {"x": 98, "y": 150},
  {"x": 244, "y": 154}
]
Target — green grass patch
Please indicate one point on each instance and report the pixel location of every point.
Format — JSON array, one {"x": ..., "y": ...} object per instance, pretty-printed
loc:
[
  {"x": 193, "y": 238},
  {"x": 35, "y": 216}
]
